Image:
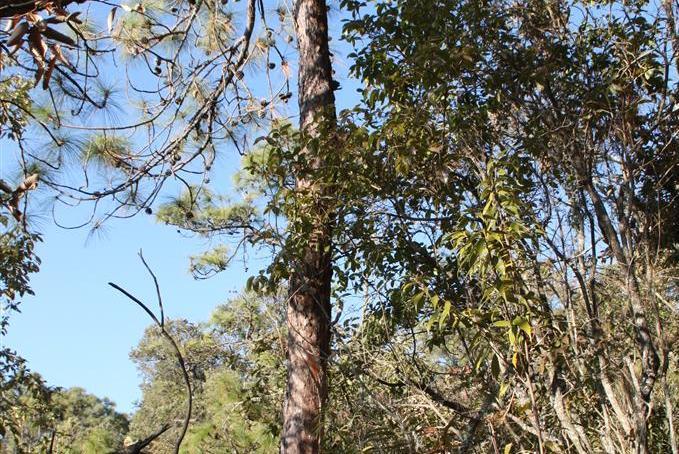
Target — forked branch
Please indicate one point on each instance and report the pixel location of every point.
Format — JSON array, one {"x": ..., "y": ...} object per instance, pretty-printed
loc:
[{"x": 135, "y": 448}]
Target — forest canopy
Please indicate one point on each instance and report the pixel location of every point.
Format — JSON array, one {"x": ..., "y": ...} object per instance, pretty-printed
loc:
[{"x": 479, "y": 254}]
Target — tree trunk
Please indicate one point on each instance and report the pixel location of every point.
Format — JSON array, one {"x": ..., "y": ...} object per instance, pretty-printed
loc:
[
  {"x": 650, "y": 361},
  {"x": 309, "y": 311}
]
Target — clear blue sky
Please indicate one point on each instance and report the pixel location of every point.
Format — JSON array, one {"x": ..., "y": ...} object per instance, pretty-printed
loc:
[{"x": 78, "y": 331}]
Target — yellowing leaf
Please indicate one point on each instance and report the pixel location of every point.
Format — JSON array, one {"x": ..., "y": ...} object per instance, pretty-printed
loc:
[
  {"x": 525, "y": 327},
  {"x": 502, "y": 324},
  {"x": 503, "y": 389}
]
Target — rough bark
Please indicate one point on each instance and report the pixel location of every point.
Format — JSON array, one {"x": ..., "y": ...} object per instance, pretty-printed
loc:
[{"x": 308, "y": 310}]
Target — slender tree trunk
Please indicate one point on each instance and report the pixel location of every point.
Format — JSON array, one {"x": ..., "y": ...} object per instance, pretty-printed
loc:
[
  {"x": 308, "y": 311},
  {"x": 650, "y": 361}
]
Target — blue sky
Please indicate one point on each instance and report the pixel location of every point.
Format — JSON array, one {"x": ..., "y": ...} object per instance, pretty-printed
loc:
[{"x": 78, "y": 331}]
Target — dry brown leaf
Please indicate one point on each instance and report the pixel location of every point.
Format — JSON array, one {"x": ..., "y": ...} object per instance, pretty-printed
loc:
[
  {"x": 56, "y": 50},
  {"x": 17, "y": 34},
  {"x": 37, "y": 46},
  {"x": 12, "y": 23},
  {"x": 30, "y": 183},
  {"x": 32, "y": 17},
  {"x": 48, "y": 74},
  {"x": 58, "y": 36},
  {"x": 73, "y": 17},
  {"x": 38, "y": 73},
  {"x": 111, "y": 17}
]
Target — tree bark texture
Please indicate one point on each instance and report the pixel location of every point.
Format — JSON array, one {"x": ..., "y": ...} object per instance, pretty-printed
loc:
[{"x": 308, "y": 310}]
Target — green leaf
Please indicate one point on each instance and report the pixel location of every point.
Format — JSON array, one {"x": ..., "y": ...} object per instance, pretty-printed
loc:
[
  {"x": 502, "y": 324},
  {"x": 523, "y": 324},
  {"x": 504, "y": 386},
  {"x": 444, "y": 314},
  {"x": 495, "y": 367},
  {"x": 417, "y": 299}
]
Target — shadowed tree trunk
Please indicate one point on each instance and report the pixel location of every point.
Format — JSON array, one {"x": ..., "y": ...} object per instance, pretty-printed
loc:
[{"x": 308, "y": 311}]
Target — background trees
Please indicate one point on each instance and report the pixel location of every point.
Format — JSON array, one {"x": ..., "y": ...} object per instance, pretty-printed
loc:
[
  {"x": 237, "y": 372},
  {"x": 37, "y": 418}
]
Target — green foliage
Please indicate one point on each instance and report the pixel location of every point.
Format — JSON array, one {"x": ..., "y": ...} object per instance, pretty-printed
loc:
[
  {"x": 236, "y": 366},
  {"x": 210, "y": 262},
  {"x": 17, "y": 262},
  {"x": 15, "y": 105},
  {"x": 106, "y": 150},
  {"x": 503, "y": 213},
  {"x": 22, "y": 393},
  {"x": 69, "y": 421},
  {"x": 87, "y": 424},
  {"x": 500, "y": 130},
  {"x": 229, "y": 413},
  {"x": 201, "y": 211}
]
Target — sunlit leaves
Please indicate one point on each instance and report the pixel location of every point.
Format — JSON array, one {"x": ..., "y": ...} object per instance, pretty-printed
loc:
[
  {"x": 107, "y": 150},
  {"x": 210, "y": 262},
  {"x": 237, "y": 374},
  {"x": 201, "y": 211}
]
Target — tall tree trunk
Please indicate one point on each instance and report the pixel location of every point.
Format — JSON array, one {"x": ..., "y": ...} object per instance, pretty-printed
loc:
[{"x": 308, "y": 310}]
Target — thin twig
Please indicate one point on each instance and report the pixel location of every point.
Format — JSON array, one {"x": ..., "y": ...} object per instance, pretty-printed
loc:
[
  {"x": 155, "y": 282},
  {"x": 180, "y": 358}
]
